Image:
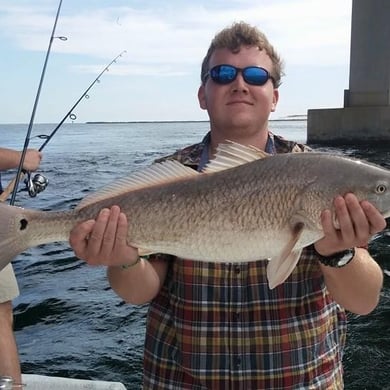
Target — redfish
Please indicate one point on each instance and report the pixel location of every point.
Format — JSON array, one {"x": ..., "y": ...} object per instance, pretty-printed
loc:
[{"x": 244, "y": 206}]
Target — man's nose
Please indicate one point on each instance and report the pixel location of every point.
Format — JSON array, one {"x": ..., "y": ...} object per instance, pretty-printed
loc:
[{"x": 239, "y": 84}]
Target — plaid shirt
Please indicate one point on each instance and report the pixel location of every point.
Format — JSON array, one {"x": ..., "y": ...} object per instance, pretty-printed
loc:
[{"x": 219, "y": 326}]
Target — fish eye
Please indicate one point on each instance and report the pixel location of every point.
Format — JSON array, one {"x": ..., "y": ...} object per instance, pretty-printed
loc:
[{"x": 380, "y": 189}]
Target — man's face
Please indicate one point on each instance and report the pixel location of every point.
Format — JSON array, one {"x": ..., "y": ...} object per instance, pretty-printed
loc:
[{"x": 239, "y": 104}]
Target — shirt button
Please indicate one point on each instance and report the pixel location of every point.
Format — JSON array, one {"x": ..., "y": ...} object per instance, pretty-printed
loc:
[{"x": 236, "y": 316}]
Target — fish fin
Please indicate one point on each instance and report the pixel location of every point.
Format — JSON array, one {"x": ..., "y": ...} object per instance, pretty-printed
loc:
[
  {"x": 280, "y": 268},
  {"x": 232, "y": 154},
  {"x": 158, "y": 173}
]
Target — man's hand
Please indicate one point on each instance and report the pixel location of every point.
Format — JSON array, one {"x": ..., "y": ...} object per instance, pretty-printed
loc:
[
  {"x": 358, "y": 222},
  {"x": 32, "y": 159},
  {"x": 103, "y": 241}
]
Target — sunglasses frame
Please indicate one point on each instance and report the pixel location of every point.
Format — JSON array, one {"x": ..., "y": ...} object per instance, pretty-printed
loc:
[{"x": 237, "y": 71}]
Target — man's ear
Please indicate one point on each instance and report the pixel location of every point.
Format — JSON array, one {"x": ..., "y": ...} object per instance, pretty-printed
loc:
[
  {"x": 202, "y": 97},
  {"x": 275, "y": 100}
]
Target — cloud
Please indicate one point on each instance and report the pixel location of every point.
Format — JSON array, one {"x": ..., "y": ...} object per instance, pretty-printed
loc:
[
  {"x": 165, "y": 41},
  {"x": 176, "y": 34}
]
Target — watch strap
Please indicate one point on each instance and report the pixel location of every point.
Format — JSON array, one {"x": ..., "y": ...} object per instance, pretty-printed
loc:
[{"x": 337, "y": 260}]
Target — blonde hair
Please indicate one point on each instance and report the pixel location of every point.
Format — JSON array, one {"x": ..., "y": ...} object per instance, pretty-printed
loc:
[{"x": 242, "y": 34}]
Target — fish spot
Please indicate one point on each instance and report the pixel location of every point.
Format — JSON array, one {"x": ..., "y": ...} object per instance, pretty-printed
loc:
[{"x": 23, "y": 224}]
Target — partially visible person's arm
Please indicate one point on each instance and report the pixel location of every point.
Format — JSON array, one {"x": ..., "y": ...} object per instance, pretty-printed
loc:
[
  {"x": 104, "y": 242},
  {"x": 9, "y": 359},
  {"x": 9, "y": 159},
  {"x": 357, "y": 285}
]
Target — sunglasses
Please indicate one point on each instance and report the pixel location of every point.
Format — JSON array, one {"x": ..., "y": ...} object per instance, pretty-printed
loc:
[{"x": 226, "y": 74}]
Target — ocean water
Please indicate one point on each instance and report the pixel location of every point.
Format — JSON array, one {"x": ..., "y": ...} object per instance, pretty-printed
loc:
[{"x": 68, "y": 321}]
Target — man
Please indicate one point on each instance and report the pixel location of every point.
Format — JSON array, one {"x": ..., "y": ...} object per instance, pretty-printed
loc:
[
  {"x": 219, "y": 326},
  {"x": 9, "y": 360}
]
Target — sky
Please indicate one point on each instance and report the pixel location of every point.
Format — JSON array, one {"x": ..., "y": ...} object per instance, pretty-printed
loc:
[{"x": 158, "y": 77}]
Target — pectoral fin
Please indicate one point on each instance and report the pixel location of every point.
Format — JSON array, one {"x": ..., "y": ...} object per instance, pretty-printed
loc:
[{"x": 279, "y": 268}]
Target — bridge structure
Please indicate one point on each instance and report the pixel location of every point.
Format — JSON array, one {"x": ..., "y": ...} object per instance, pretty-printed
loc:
[{"x": 365, "y": 117}]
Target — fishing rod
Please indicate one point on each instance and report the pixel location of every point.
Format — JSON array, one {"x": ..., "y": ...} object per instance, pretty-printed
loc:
[
  {"x": 38, "y": 183},
  {"x": 27, "y": 139},
  {"x": 70, "y": 112}
]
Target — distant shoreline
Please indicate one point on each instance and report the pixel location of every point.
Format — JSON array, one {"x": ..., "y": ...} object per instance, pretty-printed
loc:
[
  {"x": 298, "y": 119},
  {"x": 292, "y": 118}
]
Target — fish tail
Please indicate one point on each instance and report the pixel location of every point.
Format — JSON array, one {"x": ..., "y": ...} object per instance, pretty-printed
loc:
[{"x": 12, "y": 240}]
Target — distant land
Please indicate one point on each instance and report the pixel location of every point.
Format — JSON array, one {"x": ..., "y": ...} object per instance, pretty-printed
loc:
[{"x": 296, "y": 117}]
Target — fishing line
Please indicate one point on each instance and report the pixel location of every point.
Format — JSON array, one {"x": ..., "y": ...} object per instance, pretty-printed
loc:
[{"x": 27, "y": 139}]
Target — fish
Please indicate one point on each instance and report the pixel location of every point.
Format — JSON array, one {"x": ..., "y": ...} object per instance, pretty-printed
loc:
[{"x": 245, "y": 205}]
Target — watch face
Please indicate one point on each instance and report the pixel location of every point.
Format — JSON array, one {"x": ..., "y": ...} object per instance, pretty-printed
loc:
[{"x": 345, "y": 259}]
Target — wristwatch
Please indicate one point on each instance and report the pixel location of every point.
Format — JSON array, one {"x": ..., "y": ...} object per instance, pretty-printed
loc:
[{"x": 337, "y": 260}]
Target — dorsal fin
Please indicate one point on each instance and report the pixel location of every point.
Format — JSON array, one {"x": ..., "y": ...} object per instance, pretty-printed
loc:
[
  {"x": 158, "y": 173},
  {"x": 232, "y": 154}
]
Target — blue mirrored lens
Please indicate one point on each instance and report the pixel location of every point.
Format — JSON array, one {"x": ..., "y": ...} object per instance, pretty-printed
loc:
[
  {"x": 225, "y": 74},
  {"x": 256, "y": 76}
]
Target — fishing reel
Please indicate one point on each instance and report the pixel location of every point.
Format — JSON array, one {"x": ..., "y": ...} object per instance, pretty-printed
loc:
[{"x": 36, "y": 184}]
